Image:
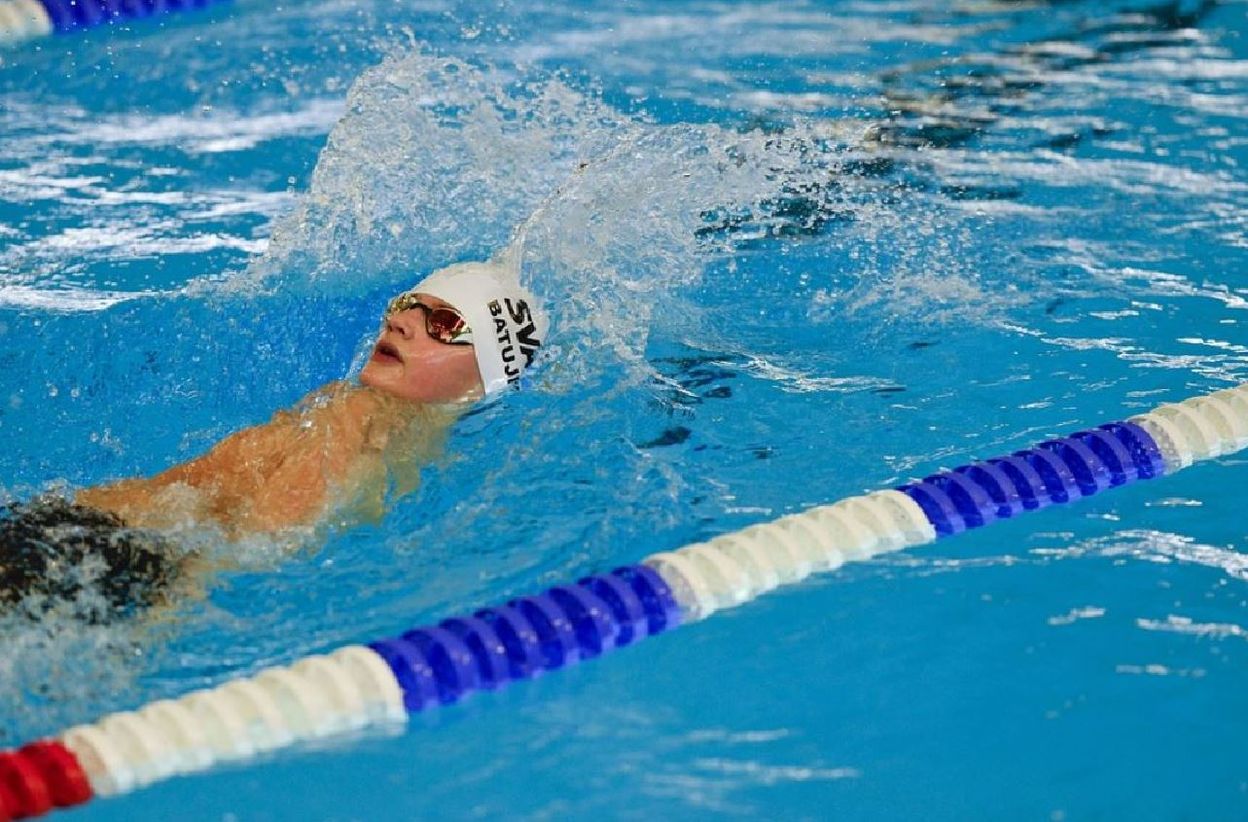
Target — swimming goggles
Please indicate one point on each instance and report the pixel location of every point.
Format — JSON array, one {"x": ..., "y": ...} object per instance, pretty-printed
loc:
[{"x": 444, "y": 324}]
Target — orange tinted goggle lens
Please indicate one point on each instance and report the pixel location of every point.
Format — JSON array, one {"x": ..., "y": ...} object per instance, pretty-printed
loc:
[
  {"x": 447, "y": 326},
  {"x": 443, "y": 324}
]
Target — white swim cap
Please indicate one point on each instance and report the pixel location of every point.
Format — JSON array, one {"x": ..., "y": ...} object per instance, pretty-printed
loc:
[{"x": 508, "y": 324}]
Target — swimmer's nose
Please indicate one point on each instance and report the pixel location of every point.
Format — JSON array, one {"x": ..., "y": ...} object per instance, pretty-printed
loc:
[{"x": 400, "y": 324}]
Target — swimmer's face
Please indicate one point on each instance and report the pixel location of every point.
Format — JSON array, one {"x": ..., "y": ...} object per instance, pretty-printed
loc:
[{"x": 408, "y": 363}]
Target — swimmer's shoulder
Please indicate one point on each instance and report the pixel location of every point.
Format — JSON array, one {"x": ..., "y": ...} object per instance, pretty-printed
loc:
[
  {"x": 347, "y": 410},
  {"x": 337, "y": 396},
  {"x": 344, "y": 412}
]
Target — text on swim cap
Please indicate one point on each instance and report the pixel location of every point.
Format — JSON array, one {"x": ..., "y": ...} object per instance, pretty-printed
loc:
[{"x": 525, "y": 337}]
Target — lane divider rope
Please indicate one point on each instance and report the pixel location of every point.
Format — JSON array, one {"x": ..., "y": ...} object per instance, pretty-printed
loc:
[
  {"x": 381, "y": 683},
  {"x": 22, "y": 20}
]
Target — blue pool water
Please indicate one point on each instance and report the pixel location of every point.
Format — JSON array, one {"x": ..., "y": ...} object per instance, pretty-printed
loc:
[{"x": 796, "y": 251}]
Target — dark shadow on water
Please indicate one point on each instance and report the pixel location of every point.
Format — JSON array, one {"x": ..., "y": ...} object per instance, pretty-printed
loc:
[{"x": 953, "y": 103}]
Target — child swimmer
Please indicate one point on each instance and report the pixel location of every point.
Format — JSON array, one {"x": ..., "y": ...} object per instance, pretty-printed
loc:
[{"x": 465, "y": 332}]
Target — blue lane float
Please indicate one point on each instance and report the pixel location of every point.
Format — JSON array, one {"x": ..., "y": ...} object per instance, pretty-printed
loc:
[
  {"x": 1052, "y": 473},
  {"x": 22, "y": 20},
  {"x": 441, "y": 664},
  {"x": 71, "y": 15}
]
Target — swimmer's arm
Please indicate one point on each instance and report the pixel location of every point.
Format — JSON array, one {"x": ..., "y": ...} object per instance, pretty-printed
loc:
[
  {"x": 219, "y": 474},
  {"x": 262, "y": 478}
]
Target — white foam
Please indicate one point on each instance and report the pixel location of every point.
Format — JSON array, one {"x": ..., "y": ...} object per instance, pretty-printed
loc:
[
  {"x": 66, "y": 299},
  {"x": 211, "y": 131}
]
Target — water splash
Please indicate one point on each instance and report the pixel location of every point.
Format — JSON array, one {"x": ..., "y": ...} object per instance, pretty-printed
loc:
[{"x": 435, "y": 160}]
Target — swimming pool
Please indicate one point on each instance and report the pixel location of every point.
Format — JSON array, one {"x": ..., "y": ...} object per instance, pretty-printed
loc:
[{"x": 815, "y": 249}]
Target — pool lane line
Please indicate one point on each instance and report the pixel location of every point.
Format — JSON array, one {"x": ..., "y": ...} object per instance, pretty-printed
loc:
[
  {"x": 22, "y": 20},
  {"x": 381, "y": 683}
]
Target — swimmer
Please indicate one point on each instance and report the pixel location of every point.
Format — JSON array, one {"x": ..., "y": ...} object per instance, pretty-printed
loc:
[{"x": 465, "y": 332}]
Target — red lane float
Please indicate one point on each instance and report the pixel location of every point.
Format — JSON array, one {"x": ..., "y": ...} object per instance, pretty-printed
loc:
[{"x": 39, "y": 777}]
